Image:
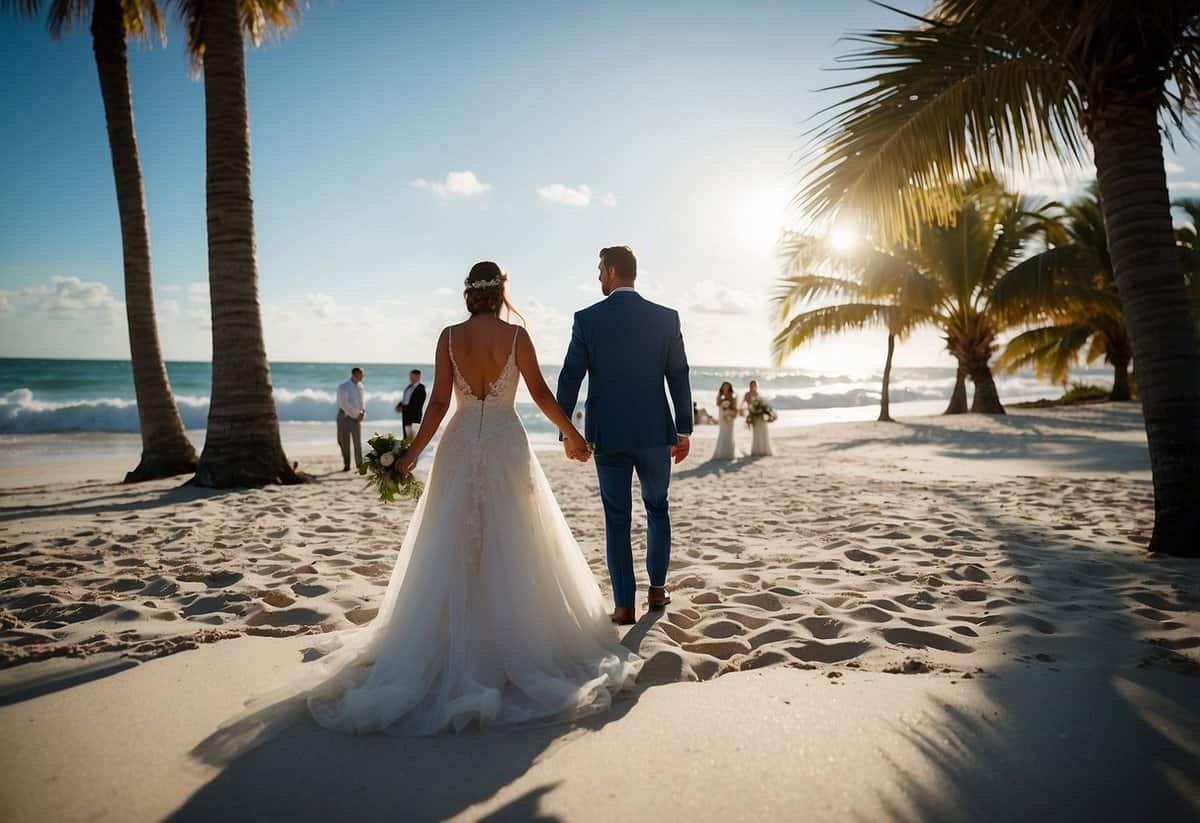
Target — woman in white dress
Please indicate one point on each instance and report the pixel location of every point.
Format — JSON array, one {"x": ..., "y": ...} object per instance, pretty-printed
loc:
[
  {"x": 760, "y": 437},
  {"x": 727, "y": 413},
  {"x": 492, "y": 616}
]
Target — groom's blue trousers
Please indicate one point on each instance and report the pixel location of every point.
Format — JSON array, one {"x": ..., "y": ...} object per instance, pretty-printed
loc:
[{"x": 615, "y": 470}]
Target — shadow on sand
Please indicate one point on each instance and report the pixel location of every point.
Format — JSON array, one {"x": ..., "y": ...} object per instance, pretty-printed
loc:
[
  {"x": 1113, "y": 733},
  {"x": 305, "y": 772},
  {"x": 1027, "y": 436}
]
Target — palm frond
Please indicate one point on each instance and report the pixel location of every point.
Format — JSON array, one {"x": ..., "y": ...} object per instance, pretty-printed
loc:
[
  {"x": 21, "y": 8},
  {"x": 941, "y": 101},
  {"x": 259, "y": 18},
  {"x": 828, "y": 320},
  {"x": 1050, "y": 350}
]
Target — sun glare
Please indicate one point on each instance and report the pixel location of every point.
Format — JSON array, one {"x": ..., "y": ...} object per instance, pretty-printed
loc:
[{"x": 842, "y": 239}]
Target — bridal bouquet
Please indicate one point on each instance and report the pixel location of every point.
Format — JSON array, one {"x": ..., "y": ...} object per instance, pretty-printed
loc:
[
  {"x": 760, "y": 409},
  {"x": 380, "y": 466},
  {"x": 729, "y": 409}
]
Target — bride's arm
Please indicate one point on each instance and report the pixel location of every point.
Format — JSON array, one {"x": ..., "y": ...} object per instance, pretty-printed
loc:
[
  {"x": 527, "y": 362},
  {"x": 439, "y": 403}
]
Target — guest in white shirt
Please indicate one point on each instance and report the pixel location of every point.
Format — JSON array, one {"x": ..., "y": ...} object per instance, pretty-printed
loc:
[{"x": 351, "y": 411}]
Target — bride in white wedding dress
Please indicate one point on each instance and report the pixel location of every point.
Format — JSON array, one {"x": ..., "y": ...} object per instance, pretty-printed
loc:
[{"x": 492, "y": 616}]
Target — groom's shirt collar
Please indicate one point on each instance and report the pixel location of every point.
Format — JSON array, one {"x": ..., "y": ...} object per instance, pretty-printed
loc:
[{"x": 620, "y": 289}]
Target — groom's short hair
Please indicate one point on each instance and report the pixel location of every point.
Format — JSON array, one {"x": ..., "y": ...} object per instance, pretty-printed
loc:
[
  {"x": 622, "y": 259},
  {"x": 417, "y": 372}
]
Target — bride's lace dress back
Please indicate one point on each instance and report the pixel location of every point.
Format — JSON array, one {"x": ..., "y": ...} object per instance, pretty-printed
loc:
[{"x": 492, "y": 615}]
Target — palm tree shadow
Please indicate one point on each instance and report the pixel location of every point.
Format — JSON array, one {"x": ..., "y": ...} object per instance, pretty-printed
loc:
[
  {"x": 1103, "y": 737},
  {"x": 139, "y": 499}
]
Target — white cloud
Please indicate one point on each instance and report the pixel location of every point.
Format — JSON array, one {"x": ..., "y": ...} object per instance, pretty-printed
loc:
[
  {"x": 558, "y": 193},
  {"x": 168, "y": 309},
  {"x": 5, "y": 303},
  {"x": 72, "y": 296},
  {"x": 609, "y": 200},
  {"x": 198, "y": 308},
  {"x": 322, "y": 305},
  {"x": 443, "y": 291},
  {"x": 1173, "y": 168},
  {"x": 708, "y": 297},
  {"x": 461, "y": 183},
  {"x": 1183, "y": 185}
]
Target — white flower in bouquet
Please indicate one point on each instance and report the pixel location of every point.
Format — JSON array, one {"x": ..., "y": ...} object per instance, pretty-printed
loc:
[{"x": 388, "y": 459}]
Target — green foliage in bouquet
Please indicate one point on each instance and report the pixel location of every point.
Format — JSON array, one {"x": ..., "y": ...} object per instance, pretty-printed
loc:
[
  {"x": 760, "y": 408},
  {"x": 380, "y": 467}
]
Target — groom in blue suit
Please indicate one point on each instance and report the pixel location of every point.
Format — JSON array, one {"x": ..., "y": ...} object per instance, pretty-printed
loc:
[{"x": 627, "y": 346}]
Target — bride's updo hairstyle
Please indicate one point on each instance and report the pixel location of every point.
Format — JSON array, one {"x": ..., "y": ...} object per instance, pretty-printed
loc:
[{"x": 485, "y": 290}]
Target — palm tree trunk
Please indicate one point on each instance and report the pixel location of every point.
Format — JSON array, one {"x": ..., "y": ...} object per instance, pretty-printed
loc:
[
  {"x": 986, "y": 399},
  {"x": 958, "y": 398},
  {"x": 1137, "y": 216},
  {"x": 884, "y": 415},
  {"x": 242, "y": 446},
  {"x": 1120, "y": 389},
  {"x": 166, "y": 450}
]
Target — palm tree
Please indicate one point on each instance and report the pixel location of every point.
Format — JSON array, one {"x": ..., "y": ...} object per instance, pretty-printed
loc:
[
  {"x": 1071, "y": 286},
  {"x": 944, "y": 278},
  {"x": 871, "y": 283},
  {"x": 166, "y": 450},
  {"x": 242, "y": 446},
  {"x": 1003, "y": 82}
]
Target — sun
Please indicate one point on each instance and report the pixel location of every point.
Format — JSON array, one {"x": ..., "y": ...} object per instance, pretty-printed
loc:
[{"x": 842, "y": 239}]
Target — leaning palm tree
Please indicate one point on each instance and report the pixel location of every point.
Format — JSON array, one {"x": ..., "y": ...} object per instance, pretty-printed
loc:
[
  {"x": 166, "y": 450},
  {"x": 945, "y": 277},
  {"x": 1003, "y": 82},
  {"x": 870, "y": 282},
  {"x": 242, "y": 446},
  {"x": 1071, "y": 288}
]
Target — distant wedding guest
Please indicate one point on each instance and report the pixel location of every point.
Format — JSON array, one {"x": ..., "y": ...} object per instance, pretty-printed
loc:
[
  {"x": 760, "y": 438},
  {"x": 727, "y": 412},
  {"x": 412, "y": 404},
  {"x": 351, "y": 411}
]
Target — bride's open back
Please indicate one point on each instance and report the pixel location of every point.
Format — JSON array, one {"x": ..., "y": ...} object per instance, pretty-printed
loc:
[{"x": 492, "y": 615}]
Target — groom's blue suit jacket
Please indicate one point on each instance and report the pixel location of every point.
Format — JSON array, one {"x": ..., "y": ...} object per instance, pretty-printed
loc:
[{"x": 627, "y": 346}]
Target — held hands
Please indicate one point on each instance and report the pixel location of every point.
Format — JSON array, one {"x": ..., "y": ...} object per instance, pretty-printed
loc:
[
  {"x": 576, "y": 448},
  {"x": 679, "y": 451}
]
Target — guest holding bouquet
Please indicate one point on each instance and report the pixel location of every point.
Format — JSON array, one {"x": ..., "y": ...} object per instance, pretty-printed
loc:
[{"x": 758, "y": 414}]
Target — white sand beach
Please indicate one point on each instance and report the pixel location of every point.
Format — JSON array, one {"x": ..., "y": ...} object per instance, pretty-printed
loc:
[{"x": 945, "y": 618}]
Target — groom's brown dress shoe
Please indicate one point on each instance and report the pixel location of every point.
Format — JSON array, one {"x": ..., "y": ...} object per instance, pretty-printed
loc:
[
  {"x": 658, "y": 597},
  {"x": 623, "y": 616}
]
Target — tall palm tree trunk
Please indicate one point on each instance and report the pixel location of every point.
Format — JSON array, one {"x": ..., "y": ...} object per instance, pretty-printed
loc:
[
  {"x": 986, "y": 399},
  {"x": 165, "y": 448},
  {"x": 1137, "y": 216},
  {"x": 958, "y": 397},
  {"x": 1120, "y": 389},
  {"x": 884, "y": 413},
  {"x": 242, "y": 446}
]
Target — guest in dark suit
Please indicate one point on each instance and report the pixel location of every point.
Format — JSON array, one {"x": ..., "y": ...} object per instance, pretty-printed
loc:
[{"x": 412, "y": 403}]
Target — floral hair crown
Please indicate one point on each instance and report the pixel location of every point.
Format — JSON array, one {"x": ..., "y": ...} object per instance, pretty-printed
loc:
[{"x": 484, "y": 284}]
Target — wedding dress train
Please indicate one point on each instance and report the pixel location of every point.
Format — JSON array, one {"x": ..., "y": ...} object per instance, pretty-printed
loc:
[{"x": 492, "y": 616}]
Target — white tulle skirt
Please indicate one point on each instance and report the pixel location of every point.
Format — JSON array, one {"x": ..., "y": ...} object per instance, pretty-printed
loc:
[{"x": 492, "y": 616}]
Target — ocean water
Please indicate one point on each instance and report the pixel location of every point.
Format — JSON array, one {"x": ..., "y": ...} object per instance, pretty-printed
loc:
[{"x": 75, "y": 396}]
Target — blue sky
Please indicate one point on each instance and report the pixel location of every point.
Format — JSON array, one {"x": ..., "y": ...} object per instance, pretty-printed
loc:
[{"x": 668, "y": 126}]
